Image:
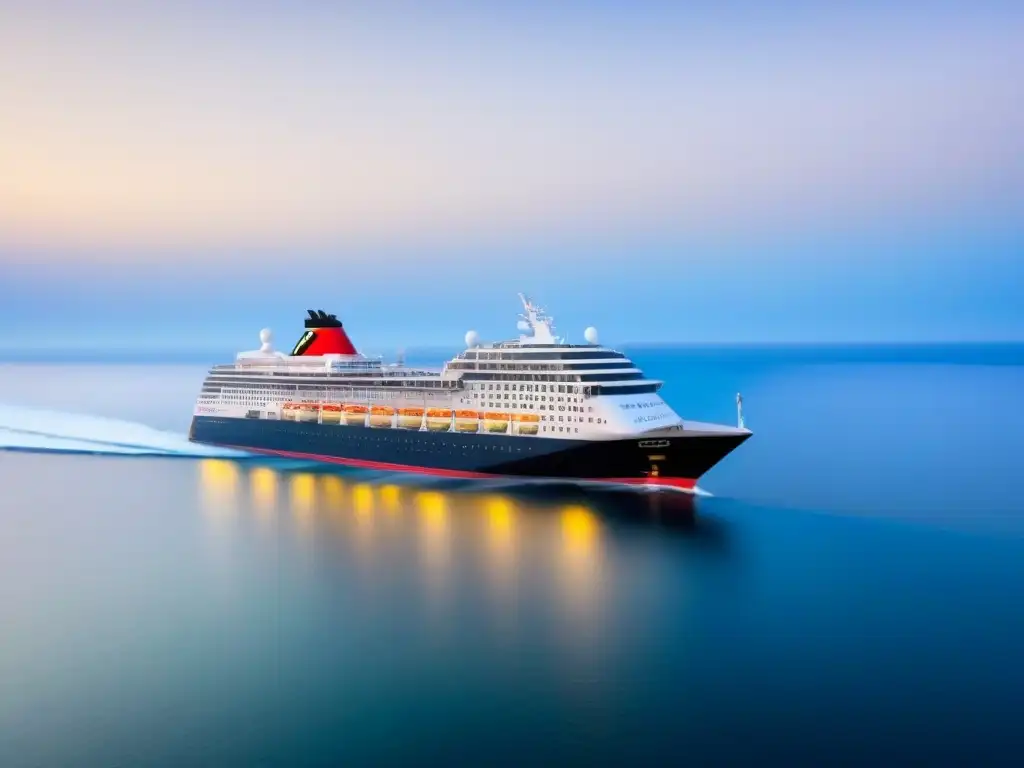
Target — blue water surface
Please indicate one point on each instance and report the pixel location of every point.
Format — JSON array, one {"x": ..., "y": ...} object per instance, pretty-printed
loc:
[{"x": 851, "y": 593}]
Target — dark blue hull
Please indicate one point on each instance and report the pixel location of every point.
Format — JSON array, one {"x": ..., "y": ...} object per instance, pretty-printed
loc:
[{"x": 676, "y": 461}]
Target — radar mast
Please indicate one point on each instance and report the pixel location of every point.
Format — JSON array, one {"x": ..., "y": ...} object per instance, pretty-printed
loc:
[{"x": 540, "y": 323}]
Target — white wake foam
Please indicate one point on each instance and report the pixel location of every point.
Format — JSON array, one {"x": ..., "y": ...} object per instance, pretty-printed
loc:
[{"x": 30, "y": 429}]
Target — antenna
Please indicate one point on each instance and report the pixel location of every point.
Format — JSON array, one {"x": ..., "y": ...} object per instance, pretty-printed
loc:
[{"x": 540, "y": 323}]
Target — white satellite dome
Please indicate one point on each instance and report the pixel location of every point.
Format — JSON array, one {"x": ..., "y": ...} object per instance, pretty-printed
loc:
[
  {"x": 472, "y": 339},
  {"x": 590, "y": 335},
  {"x": 266, "y": 348}
]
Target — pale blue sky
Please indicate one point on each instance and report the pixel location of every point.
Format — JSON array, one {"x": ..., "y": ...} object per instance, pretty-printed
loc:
[{"x": 176, "y": 174}]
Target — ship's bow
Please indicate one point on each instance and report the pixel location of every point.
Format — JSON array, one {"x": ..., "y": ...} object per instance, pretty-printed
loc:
[{"x": 672, "y": 458}]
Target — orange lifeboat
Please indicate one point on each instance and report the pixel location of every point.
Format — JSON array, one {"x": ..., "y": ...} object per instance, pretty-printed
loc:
[
  {"x": 289, "y": 412},
  {"x": 439, "y": 419},
  {"x": 467, "y": 421},
  {"x": 330, "y": 413},
  {"x": 355, "y": 415},
  {"x": 410, "y": 418},
  {"x": 309, "y": 412},
  {"x": 381, "y": 416},
  {"x": 528, "y": 423},
  {"x": 496, "y": 422}
]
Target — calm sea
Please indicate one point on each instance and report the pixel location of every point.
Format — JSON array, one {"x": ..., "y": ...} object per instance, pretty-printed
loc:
[{"x": 851, "y": 592}]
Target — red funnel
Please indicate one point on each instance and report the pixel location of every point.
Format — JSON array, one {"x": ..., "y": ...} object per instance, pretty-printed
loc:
[{"x": 324, "y": 336}]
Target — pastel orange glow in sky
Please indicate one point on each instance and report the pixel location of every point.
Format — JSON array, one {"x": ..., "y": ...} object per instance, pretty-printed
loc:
[{"x": 171, "y": 126}]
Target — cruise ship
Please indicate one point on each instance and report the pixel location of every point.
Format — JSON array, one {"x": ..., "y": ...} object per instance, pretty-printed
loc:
[{"x": 532, "y": 408}]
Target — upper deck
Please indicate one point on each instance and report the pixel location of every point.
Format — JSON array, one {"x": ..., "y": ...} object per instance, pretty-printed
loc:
[{"x": 539, "y": 356}]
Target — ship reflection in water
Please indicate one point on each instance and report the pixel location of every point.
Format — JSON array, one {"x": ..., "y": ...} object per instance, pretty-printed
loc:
[
  {"x": 324, "y": 503},
  {"x": 466, "y": 568},
  {"x": 228, "y": 486}
]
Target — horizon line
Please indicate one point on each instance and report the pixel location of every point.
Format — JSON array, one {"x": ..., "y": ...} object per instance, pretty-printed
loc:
[{"x": 23, "y": 354}]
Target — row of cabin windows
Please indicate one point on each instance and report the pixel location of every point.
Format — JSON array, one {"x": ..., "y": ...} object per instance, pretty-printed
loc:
[
  {"x": 475, "y": 375},
  {"x": 323, "y": 393},
  {"x": 524, "y": 406},
  {"x": 551, "y": 417},
  {"x": 461, "y": 366},
  {"x": 261, "y": 394},
  {"x": 491, "y": 399},
  {"x": 525, "y": 396},
  {"x": 434, "y": 383},
  {"x": 483, "y": 376},
  {"x": 589, "y": 354},
  {"x": 521, "y": 400},
  {"x": 534, "y": 388}
]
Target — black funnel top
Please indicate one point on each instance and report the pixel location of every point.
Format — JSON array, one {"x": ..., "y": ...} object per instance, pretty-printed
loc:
[{"x": 320, "y": 319}]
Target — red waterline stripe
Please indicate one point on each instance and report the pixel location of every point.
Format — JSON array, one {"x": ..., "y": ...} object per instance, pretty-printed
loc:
[{"x": 681, "y": 483}]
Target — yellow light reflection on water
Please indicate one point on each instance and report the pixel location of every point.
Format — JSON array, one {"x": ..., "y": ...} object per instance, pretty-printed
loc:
[
  {"x": 219, "y": 483},
  {"x": 434, "y": 539},
  {"x": 581, "y": 589},
  {"x": 362, "y": 500},
  {"x": 580, "y": 529},
  {"x": 501, "y": 548},
  {"x": 303, "y": 498},
  {"x": 581, "y": 559},
  {"x": 334, "y": 491},
  {"x": 390, "y": 497},
  {"x": 263, "y": 491},
  {"x": 499, "y": 509},
  {"x": 433, "y": 508},
  {"x": 219, "y": 476},
  {"x": 500, "y": 514},
  {"x": 331, "y": 494}
]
